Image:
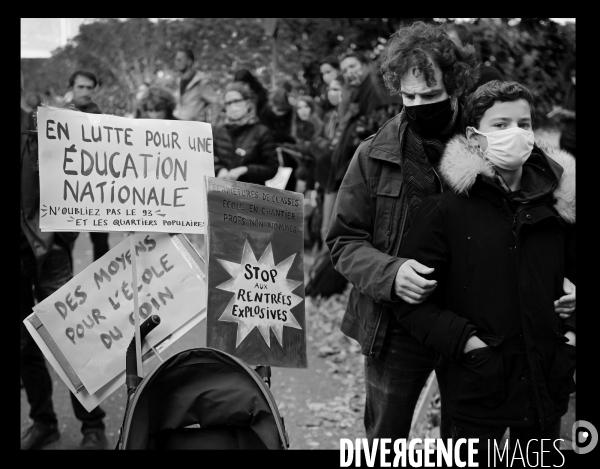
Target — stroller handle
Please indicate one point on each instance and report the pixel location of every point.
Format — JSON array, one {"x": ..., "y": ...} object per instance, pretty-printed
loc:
[{"x": 131, "y": 377}]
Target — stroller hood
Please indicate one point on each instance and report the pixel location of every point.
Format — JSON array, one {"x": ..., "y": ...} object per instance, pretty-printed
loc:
[{"x": 221, "y": 400}]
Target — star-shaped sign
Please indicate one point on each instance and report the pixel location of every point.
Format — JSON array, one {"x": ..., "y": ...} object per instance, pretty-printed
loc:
[{"x": 262, "y": 295}]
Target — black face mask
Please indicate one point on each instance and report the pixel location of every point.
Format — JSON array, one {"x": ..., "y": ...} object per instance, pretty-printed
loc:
[{"x": 428, "y": 120}]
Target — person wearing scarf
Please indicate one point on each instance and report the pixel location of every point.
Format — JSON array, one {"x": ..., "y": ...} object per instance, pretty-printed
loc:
[
  {"x": 389, "y": 177},
  {"x": 244, "y": 149},
  {"x": 501, "y": 242}
]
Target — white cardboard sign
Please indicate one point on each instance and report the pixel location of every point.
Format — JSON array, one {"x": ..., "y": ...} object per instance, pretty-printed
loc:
[
  {"x": 91, "y": 320},
  {"x": 107, "y": 173}
]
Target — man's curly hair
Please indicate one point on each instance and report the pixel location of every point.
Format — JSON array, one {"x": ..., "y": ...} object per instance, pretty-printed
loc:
[{"x": 416, "y": 46}]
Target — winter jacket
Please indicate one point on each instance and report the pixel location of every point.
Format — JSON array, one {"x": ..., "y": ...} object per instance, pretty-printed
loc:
[
  {"x": 365, "y": 233},
  {"x": 248, "y": 145},
  {"x": 198, "y": 101},
  {"x": 40, "y": 242},
  {"x": 500, "y": 265},
  {"x": 362, "y": 113}
]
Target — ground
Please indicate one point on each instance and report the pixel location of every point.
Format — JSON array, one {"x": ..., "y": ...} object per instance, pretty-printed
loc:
[{"x": 320, "y": 404}]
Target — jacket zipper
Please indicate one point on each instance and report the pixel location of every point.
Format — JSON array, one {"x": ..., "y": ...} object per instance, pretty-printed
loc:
[
  {"x": 438, "y": 178},
  {"x": 536, "y": 397}
]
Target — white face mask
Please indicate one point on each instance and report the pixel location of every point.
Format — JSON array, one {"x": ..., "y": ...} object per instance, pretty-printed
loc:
[
  {"x": 508, "y": 148},
  {"x": 334, "y": 96}
]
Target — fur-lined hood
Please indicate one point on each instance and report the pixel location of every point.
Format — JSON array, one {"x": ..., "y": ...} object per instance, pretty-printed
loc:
[{"x": 461, "y": 164}]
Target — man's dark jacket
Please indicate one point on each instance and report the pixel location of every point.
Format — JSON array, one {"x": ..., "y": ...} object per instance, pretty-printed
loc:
[
  {"x": 39, "y": 241},
  {"x": 365, "y": 233},
  {"x": 249, "y": 145},
  {"x": 500, "y": 265}
]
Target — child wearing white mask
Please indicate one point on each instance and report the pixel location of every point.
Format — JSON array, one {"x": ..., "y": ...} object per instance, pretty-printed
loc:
[{"x": 501, "y": 243}]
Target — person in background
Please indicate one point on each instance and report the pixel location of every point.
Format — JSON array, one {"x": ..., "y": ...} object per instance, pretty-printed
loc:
[
  {"x": 83, "y": 85},
  {"x": 329, "y": 70},
  {"x": 501, "y": 246},
  {"x": 361, "y": 112},
  {"x": 197, "y": 98},
  {"x": 136, "y": 108},
  {"x": 158, "y": 103},
  {"x": 46, "y": 265},
  {"x": 33, "y": 101},
  {"x": 306, "y": 125},
  {"x": 566, "y": 114},
  {"x": 322, "y": 147},
  {"x": 262, "y": 95},
  {"x": 244, "y": 149},
  {"x": 277, "y": 115}
]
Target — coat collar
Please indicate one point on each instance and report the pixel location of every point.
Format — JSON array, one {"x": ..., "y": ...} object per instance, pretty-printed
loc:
[
  {"x": 385, "y": 144},
  {"x": 548, "y": 169}
]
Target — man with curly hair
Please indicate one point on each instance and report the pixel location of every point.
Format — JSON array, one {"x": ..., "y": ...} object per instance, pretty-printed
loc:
[{"x": 389, "y": 176}]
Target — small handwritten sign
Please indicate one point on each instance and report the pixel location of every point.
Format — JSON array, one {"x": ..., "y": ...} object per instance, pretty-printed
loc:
[
  {"x": 107, "y": 173},
  {"x": 255, "y": 308}
]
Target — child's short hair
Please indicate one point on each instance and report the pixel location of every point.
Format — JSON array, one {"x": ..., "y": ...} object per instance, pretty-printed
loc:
[{"x": 486, "y": 95}]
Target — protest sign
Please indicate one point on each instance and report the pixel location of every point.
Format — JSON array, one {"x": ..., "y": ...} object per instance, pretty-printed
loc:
[
  {"x": 90, "y": 319},
  {"x": 255, "y": 308},
  {"x": 107, "y": 173},
  {"x": 91, "y": 401}
]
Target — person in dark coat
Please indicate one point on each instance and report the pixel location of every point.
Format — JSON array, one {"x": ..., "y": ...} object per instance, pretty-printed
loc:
[
  {"x": 500, "y": 243},
  {"x": 277, "y": 115},
  {"x": 390, "y": 174},
  {"x": 306, "y": 125},
  {"x": 244, "y": 149},
  {"x": 322, "y": 147},
  {"x": 388, "y": 178},
  {"x": 360, "y": 113},
  {"x": 46, "y": 266}
]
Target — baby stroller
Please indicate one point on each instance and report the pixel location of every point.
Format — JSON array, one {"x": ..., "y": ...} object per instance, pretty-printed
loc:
[{"x": 200, "y": 398}]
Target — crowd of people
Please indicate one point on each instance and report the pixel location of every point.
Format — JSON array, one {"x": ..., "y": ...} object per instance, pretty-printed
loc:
[{"x": 430, "y": 197}]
